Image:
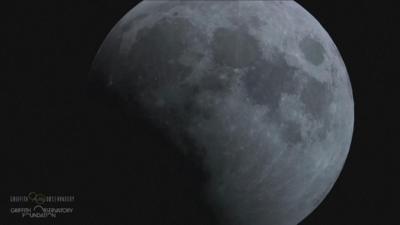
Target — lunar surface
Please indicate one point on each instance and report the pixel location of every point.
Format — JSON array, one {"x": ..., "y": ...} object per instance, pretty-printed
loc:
[{"x": 255, "y": 90}]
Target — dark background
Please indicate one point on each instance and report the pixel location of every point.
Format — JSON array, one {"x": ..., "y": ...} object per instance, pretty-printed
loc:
[{"x": 62, "y": 139}]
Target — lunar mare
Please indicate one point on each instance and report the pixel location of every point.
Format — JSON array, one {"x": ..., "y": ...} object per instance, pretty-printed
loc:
[{"x": 257, "y": 90}]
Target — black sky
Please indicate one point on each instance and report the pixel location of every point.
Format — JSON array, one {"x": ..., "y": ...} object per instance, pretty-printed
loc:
[{"x": 61, "y": 139}]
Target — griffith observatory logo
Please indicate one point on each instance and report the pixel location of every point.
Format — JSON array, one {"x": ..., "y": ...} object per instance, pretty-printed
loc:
[{"x": 40, "y": 205}]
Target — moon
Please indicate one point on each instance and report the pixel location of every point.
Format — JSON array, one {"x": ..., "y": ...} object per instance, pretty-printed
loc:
[{"x": 256, "y": 91}]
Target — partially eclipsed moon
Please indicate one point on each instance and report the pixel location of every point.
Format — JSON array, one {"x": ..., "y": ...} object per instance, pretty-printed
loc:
[{"x": 257, "y": 90}]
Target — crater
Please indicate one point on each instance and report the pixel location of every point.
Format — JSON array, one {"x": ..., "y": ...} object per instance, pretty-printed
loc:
[
  {"x": 312, "y": 50},
  {"x": 235, "y": 48}
]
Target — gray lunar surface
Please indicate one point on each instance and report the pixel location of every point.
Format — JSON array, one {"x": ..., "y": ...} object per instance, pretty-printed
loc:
[{"x": 257, "y": 90}]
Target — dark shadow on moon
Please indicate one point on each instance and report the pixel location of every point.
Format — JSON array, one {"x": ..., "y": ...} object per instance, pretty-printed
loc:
[
  {"x": 312, "y": 50},
  {"x": 145, "y": 174},
  {"x": 267, "y": 81},
  {"x": 234, "y": 48},
  {"x": 155, "y": 55},
  {"x": 317, "y": 96},
  {"x": 292, "y": 133}
]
